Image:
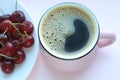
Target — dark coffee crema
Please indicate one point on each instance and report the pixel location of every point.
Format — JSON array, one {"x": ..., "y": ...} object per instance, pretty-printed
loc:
[{"x": 66, "y": 30}]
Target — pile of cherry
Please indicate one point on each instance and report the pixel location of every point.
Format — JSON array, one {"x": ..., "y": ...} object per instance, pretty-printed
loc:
[{"x": 15, "y": 35}]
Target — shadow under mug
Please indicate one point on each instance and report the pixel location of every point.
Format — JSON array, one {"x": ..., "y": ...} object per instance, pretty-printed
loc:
[{"x": 98, "y": 40}]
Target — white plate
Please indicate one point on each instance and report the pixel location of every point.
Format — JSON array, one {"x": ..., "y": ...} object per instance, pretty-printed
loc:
[{"x": 21, "y": 71}]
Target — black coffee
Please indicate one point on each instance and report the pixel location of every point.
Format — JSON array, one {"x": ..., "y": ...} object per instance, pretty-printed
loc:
[
  {"x": 80, "y": 37},
  {"x": 65, "y": 31}
]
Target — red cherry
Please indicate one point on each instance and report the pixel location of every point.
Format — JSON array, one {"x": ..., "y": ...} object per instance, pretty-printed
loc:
[
  {"x": 17, "y": 45},
  {"x": 15, "y": 42},
  {"x": 6, "y": 24},
  {"x": 20, "y": 56},
  {"x": 27, "y": 41},
  {"x": 7, "y": 66},
  {"x": 15, "y": 34},
  {"x": 17, "y": 17},
  {"x": 8, "y": 49},
  {"x": 27, "y": 26}
]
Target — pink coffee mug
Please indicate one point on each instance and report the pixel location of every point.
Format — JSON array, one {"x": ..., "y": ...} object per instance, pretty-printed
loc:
[
  {"x": 77, "y": 60},
  {"x": 106, "y": 39}
]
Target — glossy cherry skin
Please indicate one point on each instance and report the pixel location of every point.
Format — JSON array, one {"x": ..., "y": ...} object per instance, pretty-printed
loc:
[
  {"x": 6, "y": 25},
  {"x": 27, "y": 41},
  {"x": 8, "y": 49},
  {"x": 15, "y": 34},
  {"x": 17, "y": 17},
  {"x": 27, "y": 26},
  {"x": 7, "y": 66},
  {"x": 20, "y": 56},
  {"x": 17, "y": 45}
]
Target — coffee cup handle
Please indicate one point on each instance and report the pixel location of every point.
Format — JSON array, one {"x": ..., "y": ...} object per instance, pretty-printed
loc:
[{"x": 106, "y": 39}]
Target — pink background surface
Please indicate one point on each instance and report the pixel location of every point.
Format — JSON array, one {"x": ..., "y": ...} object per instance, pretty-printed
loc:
[{"x": 106, "y": 65}]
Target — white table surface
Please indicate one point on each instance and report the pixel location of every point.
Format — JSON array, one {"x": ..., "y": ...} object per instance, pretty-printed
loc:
[{"x": 106, "y": 65}]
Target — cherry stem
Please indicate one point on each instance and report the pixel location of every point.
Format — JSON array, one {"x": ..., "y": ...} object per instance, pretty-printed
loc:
[
  {"x": 5, "y": 31},
  {"x": 25, "y": 33},
  {"x": 16, "y": 5},
  {"x": 7, "y": 56},
  {"x": 1, "y": 43},
  {"x": 18, "y": 24},
  {"x": 26, "y": 37},
  {"x": 17, "y": 29},
  {"x": 14, "y": 26}
]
